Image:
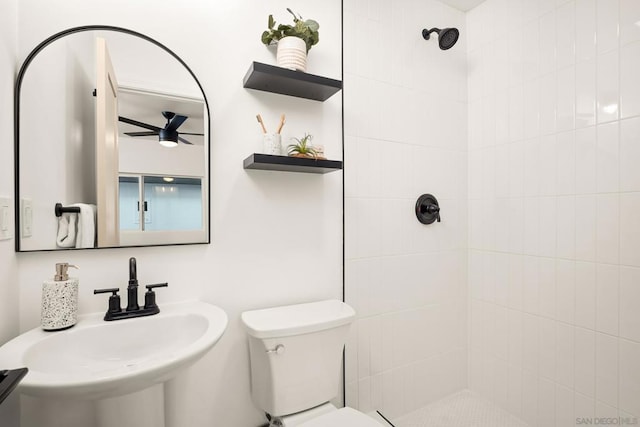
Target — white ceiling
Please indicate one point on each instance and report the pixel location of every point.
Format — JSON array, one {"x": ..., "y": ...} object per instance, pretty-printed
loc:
[{"x": 463, "y": 5}]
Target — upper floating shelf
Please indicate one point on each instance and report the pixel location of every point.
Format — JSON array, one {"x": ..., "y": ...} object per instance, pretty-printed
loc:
[
  {"x": 291, "y": 164},
  {"x": 270, "y": 78}
]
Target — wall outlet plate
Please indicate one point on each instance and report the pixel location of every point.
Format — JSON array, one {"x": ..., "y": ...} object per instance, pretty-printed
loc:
[{"x": 6, "y": 226}]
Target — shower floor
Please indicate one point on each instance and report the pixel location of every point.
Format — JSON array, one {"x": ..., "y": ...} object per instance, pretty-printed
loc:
[{"x": 463, "y": 409}]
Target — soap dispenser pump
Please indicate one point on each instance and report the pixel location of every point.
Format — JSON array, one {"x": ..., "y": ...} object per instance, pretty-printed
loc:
[{"x": 60, "y": 300}]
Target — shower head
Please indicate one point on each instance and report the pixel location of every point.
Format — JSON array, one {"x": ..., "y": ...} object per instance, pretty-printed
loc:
[{"x": 447, "y": 37}]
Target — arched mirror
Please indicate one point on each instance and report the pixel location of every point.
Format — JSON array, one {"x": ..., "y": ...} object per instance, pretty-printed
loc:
[{"x": 111, "y": 144}]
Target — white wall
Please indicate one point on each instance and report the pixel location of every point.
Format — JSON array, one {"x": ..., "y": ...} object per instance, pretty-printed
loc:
[
  {"x": 554, "y": 193},
  {"x": 276, "y": 237},
  {"x": 9, "y": 293},
  {"x": 405, "y": 124}
]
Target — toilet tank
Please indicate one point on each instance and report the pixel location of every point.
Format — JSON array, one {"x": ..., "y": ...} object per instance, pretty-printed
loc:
[{"x": 296, "y": 353}]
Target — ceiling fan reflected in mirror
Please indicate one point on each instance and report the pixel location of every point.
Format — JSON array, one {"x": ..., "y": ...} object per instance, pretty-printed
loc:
[{"x": 167, "y": 136}]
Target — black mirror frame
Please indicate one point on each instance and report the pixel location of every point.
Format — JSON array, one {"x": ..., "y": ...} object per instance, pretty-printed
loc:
[{"x": 16, "y": 128}]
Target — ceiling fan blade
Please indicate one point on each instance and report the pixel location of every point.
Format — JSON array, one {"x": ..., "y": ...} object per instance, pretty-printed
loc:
[
  {"x": 190, "y": 133},
  {"x": 139, "y": 124},
  {"x": 175, "y": 123},
  {"x": 184, "y": 141},
  {"x": 146, "y": 133}
]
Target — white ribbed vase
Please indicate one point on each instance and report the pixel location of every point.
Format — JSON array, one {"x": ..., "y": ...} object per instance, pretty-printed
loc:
[{"x": 292, "y": 53}]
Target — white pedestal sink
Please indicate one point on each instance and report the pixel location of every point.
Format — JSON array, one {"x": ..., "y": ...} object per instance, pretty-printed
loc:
[{"x": 104, "y": 361}]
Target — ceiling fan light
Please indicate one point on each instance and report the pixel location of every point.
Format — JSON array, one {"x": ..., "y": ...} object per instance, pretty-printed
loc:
[
  {"x": 168, "y": 139},
  {"x": 168, "y": 143}
]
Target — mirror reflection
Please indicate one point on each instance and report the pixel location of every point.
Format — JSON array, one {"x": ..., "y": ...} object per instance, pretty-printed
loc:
[{"x": 113, "y": 129}]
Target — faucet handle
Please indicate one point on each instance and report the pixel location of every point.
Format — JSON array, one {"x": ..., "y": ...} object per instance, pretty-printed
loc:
[
  {"x": 157, "y": 285},
  {"x": 114, "y": 300},
  {"x": 150, "y": 295}
]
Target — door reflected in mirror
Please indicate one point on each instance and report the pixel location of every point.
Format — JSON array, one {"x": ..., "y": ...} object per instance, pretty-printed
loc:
[{"x": 112, "y": 119}]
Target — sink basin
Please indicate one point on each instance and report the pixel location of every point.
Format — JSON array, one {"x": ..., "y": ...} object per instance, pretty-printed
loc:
[{"x": 97, "y": 359}]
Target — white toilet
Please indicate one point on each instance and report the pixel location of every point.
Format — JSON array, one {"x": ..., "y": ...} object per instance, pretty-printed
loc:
[{"x": 296, "y": 354}]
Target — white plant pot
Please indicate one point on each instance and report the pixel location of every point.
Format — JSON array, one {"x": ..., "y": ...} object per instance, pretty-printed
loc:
[{"x": 292, "y": 53}]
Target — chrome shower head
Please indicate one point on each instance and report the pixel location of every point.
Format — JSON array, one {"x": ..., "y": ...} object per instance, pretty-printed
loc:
[{"x": 447, "y": 37}]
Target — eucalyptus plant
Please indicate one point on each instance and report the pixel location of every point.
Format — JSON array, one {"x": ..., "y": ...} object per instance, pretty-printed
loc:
[
  {"x": 302, "y": 147},
  {"x": 307, "y": 30}
]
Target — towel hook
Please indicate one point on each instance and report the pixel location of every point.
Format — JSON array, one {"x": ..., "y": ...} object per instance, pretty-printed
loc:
[{"x": 59, "y": 209}]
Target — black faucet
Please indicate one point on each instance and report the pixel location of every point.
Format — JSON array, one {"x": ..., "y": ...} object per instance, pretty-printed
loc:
[
  {"x": 132, "y": 289},
  {"x": 115, "y": 312}
]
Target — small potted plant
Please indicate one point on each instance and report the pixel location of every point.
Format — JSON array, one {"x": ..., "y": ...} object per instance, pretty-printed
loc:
[
  {"x": 294, "y": 41},
  {"x": 302, "y": 147}
]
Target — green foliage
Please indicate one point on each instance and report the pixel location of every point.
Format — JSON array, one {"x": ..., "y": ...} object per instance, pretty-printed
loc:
[
  {"x": 307, "y": 30},
  {"x": 302, "y": 147}
]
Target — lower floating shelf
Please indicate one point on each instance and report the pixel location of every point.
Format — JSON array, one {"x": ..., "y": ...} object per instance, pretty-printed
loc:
[{"x": 291, "y": 164}]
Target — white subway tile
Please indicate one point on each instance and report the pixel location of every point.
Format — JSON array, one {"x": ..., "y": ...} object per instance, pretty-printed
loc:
[
  {"x": 546, "y": 402},
  {"x": 608, "y": 158},
  {"x": 530, "y": 342},
  {"x": 515, "y": 290},
  {"x": 586, "y": 146},
  {"x": 531, "y": 291},
  {"x": 530, "y": 51},
  {"x": 584, "y": 408},
  {"x": 607, "y": 298},
  {"x": 629, "y": 155},
  {"x": 564, "y": 406},
  {"x": 586, "y": 85},
  {"x": 548, "y": 348},
  {"x": 530, "y": 397},
  {"x": 608, "y": 228},
  {"x": 515, "y": 326},
  {"x": 566, "y": 163},
  {"x": 629, "y": 377},
  {"x": 607, "y": 369},
  {"x": 547, "y": 42},
  {"x": 585, "y": 295},
  {"x": 585, "y": 29},
  {"x": 608, "y": 92},
  {"x": 514, "y": 391},
  {"x": 547, "y": 286},
  {"x": 629, "y": 84},
  {"x": 566, "y": 34},
  {"x": 565, "y": 291},
  {"x": 585, "y": 362},
  {"x": 547, "y": 167},
  {"x": 630, "y": 229},
  {"x": 607, "y": 21},
  {"x": 566, "y": 98},
  {"x": 547, "y": 238},
  {"x": 516, "y": 225},
  {"x": 548, "y": 102},
  {"x": 629, "y": 18},
  {"x": 629, "y": 298},
  {"x": 566, "y": 227},
  {"x": 531, "y": 226}
]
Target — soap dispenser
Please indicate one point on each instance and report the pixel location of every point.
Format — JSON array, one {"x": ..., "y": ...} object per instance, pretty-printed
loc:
[{"x": 60, "y": 300}]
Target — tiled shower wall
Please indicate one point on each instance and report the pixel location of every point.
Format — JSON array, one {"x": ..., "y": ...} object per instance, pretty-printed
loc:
[
  {"x": 405, "y": 134},
  {"x": 554, "y": 202}
]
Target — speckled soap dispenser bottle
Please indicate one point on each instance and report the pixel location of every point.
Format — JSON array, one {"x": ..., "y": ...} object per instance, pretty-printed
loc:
[{"x": 60, "y": 300}]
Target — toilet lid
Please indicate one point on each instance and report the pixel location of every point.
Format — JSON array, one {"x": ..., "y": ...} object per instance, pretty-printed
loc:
[{"x": 345, "y": 417}]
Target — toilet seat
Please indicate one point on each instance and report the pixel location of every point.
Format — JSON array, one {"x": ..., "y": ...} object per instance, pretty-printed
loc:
[{"x": 344, "y": 417}]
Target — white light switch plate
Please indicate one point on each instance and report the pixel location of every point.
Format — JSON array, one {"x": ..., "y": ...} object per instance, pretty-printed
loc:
[
  {"x": 26, "y": 221},
  {"x": 6, "y": 227}
]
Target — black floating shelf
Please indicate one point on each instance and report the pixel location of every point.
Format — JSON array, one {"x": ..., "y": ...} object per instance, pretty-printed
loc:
[
  {"x": 270, "y": 78},
  {"x": 290, "y": 164}
]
